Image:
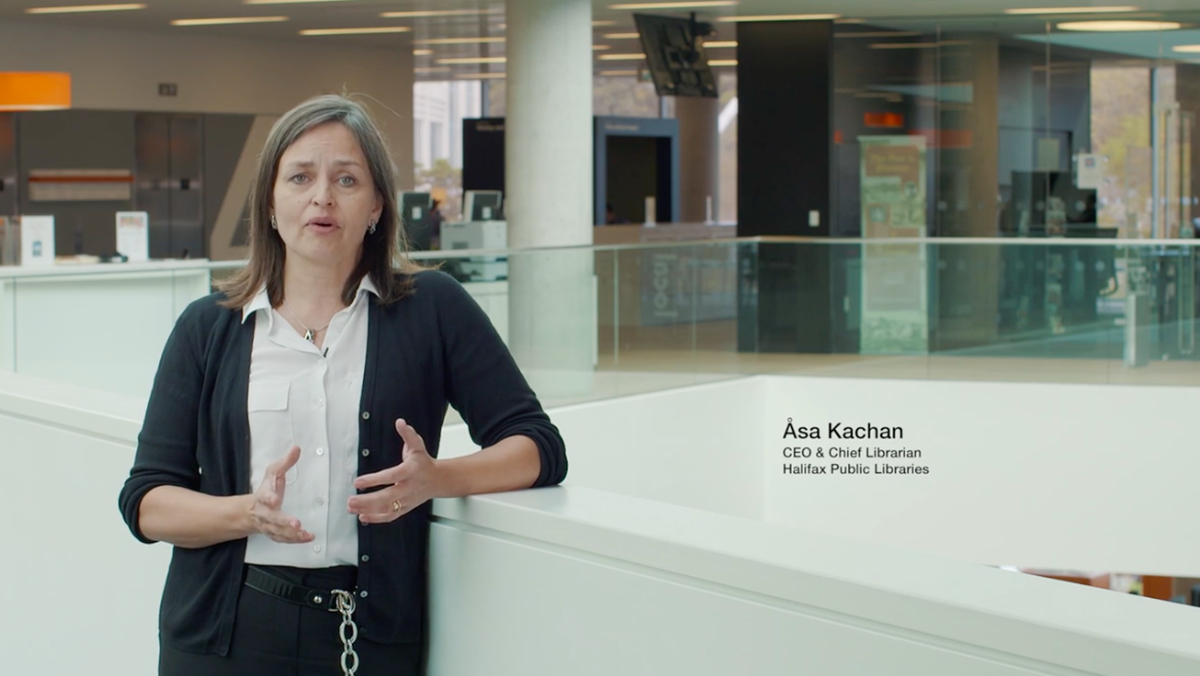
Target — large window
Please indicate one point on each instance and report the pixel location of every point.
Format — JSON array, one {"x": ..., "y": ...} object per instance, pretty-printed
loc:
[{"x": 438, "y": 111}]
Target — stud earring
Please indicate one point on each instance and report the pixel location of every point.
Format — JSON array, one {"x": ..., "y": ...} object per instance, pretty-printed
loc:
[
  {"x": 274, "y": 224},
  {"x": 371, "y": 228}
]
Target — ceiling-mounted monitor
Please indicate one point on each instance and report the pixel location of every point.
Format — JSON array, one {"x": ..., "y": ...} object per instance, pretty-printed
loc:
[{"x": 674, "y": 55}]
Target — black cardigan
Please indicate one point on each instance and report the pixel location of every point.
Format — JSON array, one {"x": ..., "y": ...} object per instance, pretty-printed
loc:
[{"x": 432, "y": 348}]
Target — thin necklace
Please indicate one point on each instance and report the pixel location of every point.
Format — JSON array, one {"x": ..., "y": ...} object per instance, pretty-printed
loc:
[{"x": 309, "y": 334}]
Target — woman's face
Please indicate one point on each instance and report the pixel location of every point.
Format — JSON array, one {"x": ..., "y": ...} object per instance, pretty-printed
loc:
[{"x": 324, "y": 198}]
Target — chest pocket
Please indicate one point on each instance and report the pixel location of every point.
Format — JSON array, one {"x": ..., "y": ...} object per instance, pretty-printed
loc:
[{"x": 270, "y": 419}]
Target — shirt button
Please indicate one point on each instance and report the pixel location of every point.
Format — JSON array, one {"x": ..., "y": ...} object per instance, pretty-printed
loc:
[
  {"x": 320, "y": 402},
  {"x": 317, "y": 548},
  {"x": 366, "y": 452},
  {"x": 320, "y": 451},
  {"x": 363, "y": 593},
  {"x": 366, "y": 415},
  {"x": 320, "y": 501},
  {"x": 365, "y": 558}
]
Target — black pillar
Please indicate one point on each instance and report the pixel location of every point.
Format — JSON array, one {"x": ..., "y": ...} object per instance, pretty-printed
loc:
[{"x": 785, "y": 147}]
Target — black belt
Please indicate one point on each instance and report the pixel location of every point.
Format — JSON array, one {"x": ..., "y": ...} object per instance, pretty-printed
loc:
[{"x": 273, "y": 585}]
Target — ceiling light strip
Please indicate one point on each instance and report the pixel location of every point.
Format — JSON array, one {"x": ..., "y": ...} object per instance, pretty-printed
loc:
[
  {"x": 674, "y": 5},
  {"x": 74, "y": 9},
  {"x": 225, "y": 21},
  {"x": 374, "y": 30}
]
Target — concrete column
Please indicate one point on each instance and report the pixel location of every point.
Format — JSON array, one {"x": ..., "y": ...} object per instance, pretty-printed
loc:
[
  {"x": 699, "y": 156},
  {"x": 548, "y": 178}
]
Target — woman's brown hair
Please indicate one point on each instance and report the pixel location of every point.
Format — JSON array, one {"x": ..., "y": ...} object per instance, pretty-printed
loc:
[{"x": 384, "y": 251}]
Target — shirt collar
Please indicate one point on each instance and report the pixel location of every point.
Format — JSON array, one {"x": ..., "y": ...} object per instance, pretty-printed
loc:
[{"x": 262, "y": 301}]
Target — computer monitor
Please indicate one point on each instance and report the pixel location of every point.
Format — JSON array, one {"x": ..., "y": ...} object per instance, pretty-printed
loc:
[
  {"x": 414, "y": 218},
  {"x": 482, "y": 205},
  {"x": 674, "y": 55}
]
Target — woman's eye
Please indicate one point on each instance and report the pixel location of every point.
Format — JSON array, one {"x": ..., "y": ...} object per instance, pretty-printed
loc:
[
  {"x": 347, "y": 180},
  {"x": 299, "y": 178}
]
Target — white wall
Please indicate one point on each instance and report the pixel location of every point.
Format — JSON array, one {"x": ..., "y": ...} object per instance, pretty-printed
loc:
[{"x": 121, "y": 70}]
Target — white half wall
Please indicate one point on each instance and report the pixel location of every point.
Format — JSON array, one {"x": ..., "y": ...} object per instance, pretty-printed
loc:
[
  {"x": 1047, "y": 476},
  {"x": 568, "y": 580},
  {"x": 99, "y": 326},
  {"x": 686, "y": 446},
  {"x": 1074, "y": 477}
]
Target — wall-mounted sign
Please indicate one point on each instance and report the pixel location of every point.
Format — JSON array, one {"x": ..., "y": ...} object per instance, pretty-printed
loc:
[{"x": 80, "y": 185}]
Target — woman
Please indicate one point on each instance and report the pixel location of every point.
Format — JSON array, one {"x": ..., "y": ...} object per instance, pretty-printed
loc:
[{"x": 289, "y": 447}]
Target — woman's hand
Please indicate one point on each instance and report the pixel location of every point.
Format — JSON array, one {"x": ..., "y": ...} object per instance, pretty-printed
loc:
[
  {"x": 408, "y": 485},
  {"x": 264, "y": 511}
]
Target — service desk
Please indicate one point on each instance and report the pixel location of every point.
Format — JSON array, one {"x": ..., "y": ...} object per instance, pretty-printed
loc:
[{"x": 101, "y": 326}]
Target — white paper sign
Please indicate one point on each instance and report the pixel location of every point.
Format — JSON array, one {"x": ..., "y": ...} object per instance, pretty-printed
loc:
[
  {"x": 133, "y": 235},
  {"x": 37, "y": 240},
  {"x": 1089, "y": 171}
]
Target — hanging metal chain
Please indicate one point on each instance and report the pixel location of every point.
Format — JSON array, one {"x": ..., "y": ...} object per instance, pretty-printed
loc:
[{"x": 345, "y": 606}]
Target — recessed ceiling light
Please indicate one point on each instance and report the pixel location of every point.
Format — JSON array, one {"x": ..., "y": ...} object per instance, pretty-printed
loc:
[
  {"x": 617, "y": 73},
  {"x": 723, "y": 62},
  {"x": 622, "y": 57},
  {"x": 228, "y": 20},
  {"x": 85, "y": 8},
  {"x": 600, "y": 48},
  {"x": 778, "y": 17},
  {"x": 622, "y": 36},
  {"x": 674, "y": 5},
  {"x": 458, "y": 41},
  {"x": 474, "y": 59},
  {"x": 1187, "y": 49},
  {"x": 373, "y": 30},
  {"x": 434, "y": 12},
  {"x": 719, "y": 44},
  {"x": 1069, "y": 10},
  {"x": 422, "y": 52},
  {"x": 479, "y": 76},
  {"x": 1119, "y": 26},
  {"x": 604, "y": 23}
]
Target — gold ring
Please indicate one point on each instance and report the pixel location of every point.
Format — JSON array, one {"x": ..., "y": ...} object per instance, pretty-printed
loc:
[{"x": 395, "y": 505}]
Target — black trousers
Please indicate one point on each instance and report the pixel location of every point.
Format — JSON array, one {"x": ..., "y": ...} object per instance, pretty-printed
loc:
[{"x": 273, "y": 637}]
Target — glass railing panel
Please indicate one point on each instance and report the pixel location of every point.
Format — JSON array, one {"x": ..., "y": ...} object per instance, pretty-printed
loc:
[{"x": 595, "y": 322}]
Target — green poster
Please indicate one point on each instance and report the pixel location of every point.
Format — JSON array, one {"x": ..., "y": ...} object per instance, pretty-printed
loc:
[{"x": 894, "y": 280}]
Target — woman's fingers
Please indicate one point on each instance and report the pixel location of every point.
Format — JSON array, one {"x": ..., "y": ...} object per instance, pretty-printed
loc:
[{"x": 281, "y": 527}]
